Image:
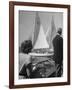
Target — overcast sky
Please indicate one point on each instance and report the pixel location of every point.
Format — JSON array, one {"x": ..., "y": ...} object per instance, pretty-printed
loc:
[{"x": 27, "y": 22}]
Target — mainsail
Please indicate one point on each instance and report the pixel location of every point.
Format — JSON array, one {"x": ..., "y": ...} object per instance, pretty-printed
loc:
[
  {"x": 48, "y": 34},
  {"x": 51, "y": 33},
  {"x": 41, "y": 42},
  {"x": 36, "y": 29},
  {"x": 39, "y": 38}
]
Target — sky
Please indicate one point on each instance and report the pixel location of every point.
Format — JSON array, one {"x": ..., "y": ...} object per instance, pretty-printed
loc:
[{"x": 27, "y": 22}]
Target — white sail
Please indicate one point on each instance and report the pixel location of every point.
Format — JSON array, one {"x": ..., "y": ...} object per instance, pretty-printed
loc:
[
  {"x": 50, "y": 34},
  {"x": 36, "y": 29},
  {"x": 53, "y": 29},
  {"x": 41, "y": 40}
]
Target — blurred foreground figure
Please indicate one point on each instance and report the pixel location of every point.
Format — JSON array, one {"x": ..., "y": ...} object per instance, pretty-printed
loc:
[
  {"x": 58, "y": 50},
  {"x": 24, "y": 58}
]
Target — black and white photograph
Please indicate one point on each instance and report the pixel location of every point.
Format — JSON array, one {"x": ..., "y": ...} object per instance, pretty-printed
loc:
[{"x": 39, "y": 44}]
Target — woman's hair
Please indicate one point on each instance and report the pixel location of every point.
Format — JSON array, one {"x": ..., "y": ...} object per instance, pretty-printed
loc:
[{"x": 26, "y": 46}]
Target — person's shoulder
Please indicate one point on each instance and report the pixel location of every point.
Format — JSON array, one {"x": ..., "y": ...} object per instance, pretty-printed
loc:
[
  {"x": 61, "y": 37},
  {"x": 23, "y": 55},
  {"x": 56, "y": 37}
]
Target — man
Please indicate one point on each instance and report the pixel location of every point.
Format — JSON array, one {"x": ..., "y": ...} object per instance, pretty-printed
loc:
[{"x": 58, "y": 50}]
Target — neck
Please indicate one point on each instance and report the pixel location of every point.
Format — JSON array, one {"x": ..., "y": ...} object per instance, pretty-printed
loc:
[{"x": 58, "y": 34}]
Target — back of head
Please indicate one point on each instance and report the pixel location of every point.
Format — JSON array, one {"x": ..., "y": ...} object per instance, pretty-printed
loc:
[
  {"x": 59, "y": 31},
  {"x": 26, "y": 46}
]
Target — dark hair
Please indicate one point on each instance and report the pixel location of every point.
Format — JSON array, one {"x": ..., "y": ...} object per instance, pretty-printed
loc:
[
  {"x": 59, "y": 31},
  {"x": 26, "y": 46}
]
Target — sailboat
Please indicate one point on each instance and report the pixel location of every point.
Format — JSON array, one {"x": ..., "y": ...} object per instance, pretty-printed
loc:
[{"x": 40, "y": 44}]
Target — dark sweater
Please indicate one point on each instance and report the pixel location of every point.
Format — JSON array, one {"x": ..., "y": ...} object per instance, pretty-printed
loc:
[{"x": 58, "y": 49}]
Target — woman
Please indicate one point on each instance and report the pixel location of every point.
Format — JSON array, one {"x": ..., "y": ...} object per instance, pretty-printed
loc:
[{"x": 25, "y": 59}]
